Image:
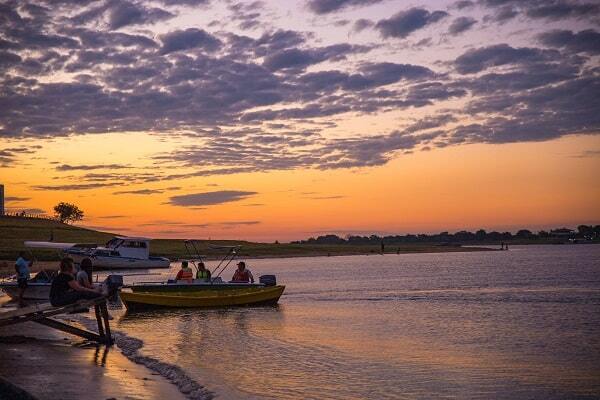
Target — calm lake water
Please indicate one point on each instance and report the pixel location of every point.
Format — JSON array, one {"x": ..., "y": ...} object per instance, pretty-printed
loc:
[{"x": 521, "y": 324}]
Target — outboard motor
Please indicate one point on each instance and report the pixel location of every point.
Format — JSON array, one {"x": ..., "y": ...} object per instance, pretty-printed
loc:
[
  {"x": 113, "y": 283},
  {"x": 268, "y": 280}
]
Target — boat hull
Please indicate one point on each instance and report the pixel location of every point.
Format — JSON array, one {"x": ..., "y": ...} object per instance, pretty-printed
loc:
[
  {"x": 268, "y": 295},
  {"x": 34, "y": 291},
  {"x": 109, "y": 263},
  {"x": 196, "y": 285}
]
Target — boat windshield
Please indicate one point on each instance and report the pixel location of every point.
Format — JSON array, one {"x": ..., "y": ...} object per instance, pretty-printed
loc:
[{"x": 114, "y": 242}]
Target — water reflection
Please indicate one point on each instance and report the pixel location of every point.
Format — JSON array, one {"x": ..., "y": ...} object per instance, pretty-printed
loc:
[
  {"x": 100, "y": 355},
  {"x": 516, "y": 325}
]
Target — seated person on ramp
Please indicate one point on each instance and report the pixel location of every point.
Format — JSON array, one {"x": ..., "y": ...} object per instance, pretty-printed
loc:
[
  {"x": 84, "y": 276},
  {"x": 65, "y": 289}
]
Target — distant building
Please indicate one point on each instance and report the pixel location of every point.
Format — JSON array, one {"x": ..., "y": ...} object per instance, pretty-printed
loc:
[
  {"x": 1, "y": 199},
  {"x": 562, "y": 232}
]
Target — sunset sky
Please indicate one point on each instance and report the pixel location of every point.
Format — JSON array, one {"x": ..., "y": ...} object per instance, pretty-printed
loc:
[{"x": 281, "y": 120}]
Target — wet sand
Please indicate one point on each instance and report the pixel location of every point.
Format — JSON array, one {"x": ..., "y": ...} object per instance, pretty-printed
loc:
[{"x": 52, "y": 365}]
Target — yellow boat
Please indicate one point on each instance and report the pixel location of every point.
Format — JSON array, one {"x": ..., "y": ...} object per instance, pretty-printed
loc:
[{"x": 262, "y": 295}]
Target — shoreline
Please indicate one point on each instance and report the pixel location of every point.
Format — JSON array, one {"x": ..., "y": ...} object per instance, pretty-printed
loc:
[{"x": 7, "y": 266}]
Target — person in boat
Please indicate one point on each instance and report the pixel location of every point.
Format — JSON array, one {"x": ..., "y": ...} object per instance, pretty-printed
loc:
[
  {"x": 65, "y": 289},
  {"x": 203, "y": 274},
  {"x": 84, "y": 275},
  {"x": 242, "y": 274},
  {"x": 22, "y": 268},
  {"x": 185, "y": 273}
]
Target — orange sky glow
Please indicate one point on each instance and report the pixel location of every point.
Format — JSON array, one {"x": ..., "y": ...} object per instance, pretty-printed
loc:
[{"x": 276, "y": 120}]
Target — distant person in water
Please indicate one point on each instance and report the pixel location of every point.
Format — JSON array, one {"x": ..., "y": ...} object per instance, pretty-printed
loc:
[
  {"x": 203, "y": 274},
  {"x": 84, "y": 276},
  {"x": 65, "y": 289},
  {"x": 185, "y": 273},
  {"x": 242, "y": 274},
  {"x": 22, "y": 268}
]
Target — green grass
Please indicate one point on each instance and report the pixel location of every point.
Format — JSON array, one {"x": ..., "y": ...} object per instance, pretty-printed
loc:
[{"x": 15, "y": 230}]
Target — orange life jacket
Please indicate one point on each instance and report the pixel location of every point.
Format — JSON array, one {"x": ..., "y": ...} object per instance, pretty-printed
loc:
[
  {"x": 241, "y": 276},
  {"x": 185, "y": 275}
]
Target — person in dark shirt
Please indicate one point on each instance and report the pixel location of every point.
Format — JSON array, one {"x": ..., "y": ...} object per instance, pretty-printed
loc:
[{"x": 65, "y": 289}]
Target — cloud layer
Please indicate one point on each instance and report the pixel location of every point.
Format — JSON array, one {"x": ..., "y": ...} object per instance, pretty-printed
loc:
[
  {"x": 210, "y": 198},
  {"x": 269, "y": 99}
]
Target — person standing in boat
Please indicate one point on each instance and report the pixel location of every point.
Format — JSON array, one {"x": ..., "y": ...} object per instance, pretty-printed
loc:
[
  {"x": 22, "y": 268},
  {"x": 242, "y": 274},
  {"x": 185, "y": 273},
  {"x": 203, "y": 274}
]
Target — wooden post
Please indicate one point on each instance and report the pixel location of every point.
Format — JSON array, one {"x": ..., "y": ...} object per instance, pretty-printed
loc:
[
  {"x": 104, "y": 310},
  {"x": 99, "y": 321}
]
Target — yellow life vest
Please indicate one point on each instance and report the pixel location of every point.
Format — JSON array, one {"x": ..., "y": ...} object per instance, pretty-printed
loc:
[{"x": 202, "y": 274}]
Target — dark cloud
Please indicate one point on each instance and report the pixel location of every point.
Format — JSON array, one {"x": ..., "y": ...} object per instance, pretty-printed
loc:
[
  {"x": 126, "y": 13},
  {"x": 547, "y": 9},
  {"x": 95, "y": 38},
  {"x": 461, "y": 24},
  {"x": 326, "y": 197},
  {"x": 476, "y": 60},
  {"x": 543, "y": 113},
  {"x": 299, "y": 59},
  {"x": 404, "y": 23},
  {"x": 586, "y": 41},
  {"x": 120, "y": 13},
  {"x": 210, "y": 198},
  {"x": 67, "y": 167},
  {"x": 588, "y": 154},
  {"x": 237, "y": 223},
  {"x": 16, "y": 199},
  {"x": 9, "y": 156},
  {"x": 463, "y": 4},
  {"x": 247, "y": 14},
  {"x": 362, "y": 24},
  {"x": 140, "y": 191},
  {"x": 562, "y": 9},
  {"x": 185, "y": 2},
  {"x": 502, "y": 15},
  {"x": 83, "y": 186},
  {"x": 372, "y": 75},
  {"x": 431, "y": 122},
  {"x": 329, "y": 6},
  {"x": 190, "y": 38}
]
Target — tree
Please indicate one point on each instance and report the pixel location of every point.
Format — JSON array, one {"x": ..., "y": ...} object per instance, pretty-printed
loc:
[
  {"x": 66, "y": 212},
  {"x": 524, "y": 233}
]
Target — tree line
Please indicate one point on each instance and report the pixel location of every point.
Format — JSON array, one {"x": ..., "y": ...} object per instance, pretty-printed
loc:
[{"x": 583, "y": 232}]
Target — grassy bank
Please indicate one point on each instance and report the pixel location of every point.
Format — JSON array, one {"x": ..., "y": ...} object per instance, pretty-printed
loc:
[{"x": 15, "y": 230}]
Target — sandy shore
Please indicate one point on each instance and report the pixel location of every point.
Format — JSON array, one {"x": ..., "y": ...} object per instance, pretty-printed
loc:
[{"x": 52, "y": 365}]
